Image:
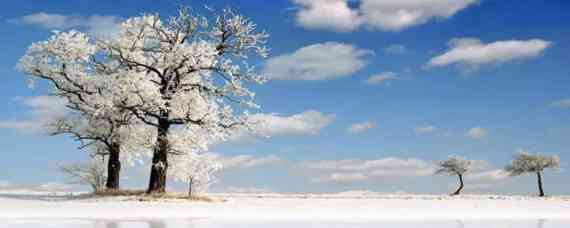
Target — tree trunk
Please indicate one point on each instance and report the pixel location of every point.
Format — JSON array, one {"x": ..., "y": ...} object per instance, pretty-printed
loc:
[
  {"x": 540, "y": 189},
  {"x": 190, "y": 188},
  {"x": 157, "y": 182},
  {"x": 114, "y": 167},
  {"x": 460, "y": 185}
]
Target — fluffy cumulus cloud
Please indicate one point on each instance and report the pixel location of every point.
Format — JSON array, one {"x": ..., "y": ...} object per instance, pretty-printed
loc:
[
  {"x": 318, "y": 62},
  {"x": 97, "y": 25},
  {"x": 361, "y": 127},
  {"x": 247, "y": 161},
  {"x": 309, "y": 122},
  {"x": 350, "y": 170},
  {"x": 396, "y": 15},
  {"x": 474, "y": 53},
  {"x": 476, "y": 133},
  {"x": 268, "y": 125},
  {"x": 47, "y": 20},
  {"x": 42, "y": 110},
  {"x": 333, "y": 15},
  {"x": 426, "y": 129},
  {"x": 386, "y": 15},
  {"x": 381, "y": 78}
]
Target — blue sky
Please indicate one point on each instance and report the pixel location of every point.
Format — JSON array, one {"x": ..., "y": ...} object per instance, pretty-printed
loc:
[{"x": 377, "y": 100}]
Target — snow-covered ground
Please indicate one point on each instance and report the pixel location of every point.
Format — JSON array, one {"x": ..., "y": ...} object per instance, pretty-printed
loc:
[
  {"x": 351, "y": 206},
  {"x": 205, "y": 223}
]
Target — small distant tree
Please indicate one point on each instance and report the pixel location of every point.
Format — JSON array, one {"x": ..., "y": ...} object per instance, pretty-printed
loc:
[
  {"x": 92, "y": 173},
  {"x": 455, "y": 165},
  {"x": 197, "y": 170},
  {"x": 525, "y": 162}
]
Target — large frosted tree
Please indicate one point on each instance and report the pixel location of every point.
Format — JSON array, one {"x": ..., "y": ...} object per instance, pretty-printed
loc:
[
  {"x": 455, "y": 165},
  {"x": 68, "y": 61},
  {"x": 525, "y": 162},
  {"x": 186, "y": 73}
]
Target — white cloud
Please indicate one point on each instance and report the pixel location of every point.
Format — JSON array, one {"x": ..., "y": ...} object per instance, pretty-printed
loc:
[
  {"x": 361, "y": 127},
  {"x": 97, "y": 25},
  {"x": 484, "y": 177},
  {"x": 489, "y": 175},
  {"x": 564, "y": 103},
  {"x": 8, "y": 187},
  {"x": 47, "y": 20},
  {"x": 342, "y": 178},
  {"x": 381, "y": 78},
  {"x": 358, "y": 170},
  {"x": 472, "y": 52},
  {"x": 390, "y": 163},
  {"x": 42, "y": 110},
  {"x": 309, "y": 122},
  {"x": 396, "y": 15},
  {"x": 386, "y": 15},
  {"x": 247, "y": 161},
  {"x": 396, "y": 49},
  {"x": 476, "y": 133},
  {"x": 333, "y": 15},
  {"x": 102, "y": 26},
  {"x": 426, "y": 129},
  {"x": 322, "y": 61}
]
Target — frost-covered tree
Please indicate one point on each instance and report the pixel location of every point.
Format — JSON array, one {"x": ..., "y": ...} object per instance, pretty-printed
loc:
[
  {"x": 196, "y": 170},
  {"x": 455, "y": 165},
  {"x": 185, "y": 73},
  {"x": 90, "y": 173},
  {"x": 67, "y": 60},
  {"x": 105, "y": 137},
  {"x": 525, "y": 162}
]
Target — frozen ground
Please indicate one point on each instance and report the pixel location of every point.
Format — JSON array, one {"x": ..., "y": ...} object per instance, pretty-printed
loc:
[
  {"x": 346, "y": 207},
  {"x": 205, "y": 223}
]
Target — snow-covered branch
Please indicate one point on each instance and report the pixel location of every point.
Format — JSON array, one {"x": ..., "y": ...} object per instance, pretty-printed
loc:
[
  {"x": 92, "y": 173},
  {"x": 196, "y": 170}
]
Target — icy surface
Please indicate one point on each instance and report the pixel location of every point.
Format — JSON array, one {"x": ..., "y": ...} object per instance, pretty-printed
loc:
[
  {"x": 204, "y": 223},
  {"x": 345, "y": 207}
]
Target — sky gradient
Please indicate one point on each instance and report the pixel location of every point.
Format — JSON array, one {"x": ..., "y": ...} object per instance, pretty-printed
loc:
[{"x": 369, "y": 93}]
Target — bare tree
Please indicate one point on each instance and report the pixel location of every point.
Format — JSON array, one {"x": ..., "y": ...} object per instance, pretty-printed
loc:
[
  {"x": 92, "y": 173},
  {"x": 455, "y": 165},
  {"x": 525, "y": 162}
]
